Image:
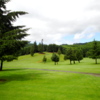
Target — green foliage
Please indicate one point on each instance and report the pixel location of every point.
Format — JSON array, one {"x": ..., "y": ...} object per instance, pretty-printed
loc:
[
  {"x": 79, "y": 55},
  {"x": 44, "y": 59},
  {"x": 59, "y": 52},
  {"x": 52, "y": 48},
  {"x": 69, "y": 55},
  {"x": 94, "y": 53},
  {"x": 32, "y": 50},
  {"x": 35, "y": 47},
  {"x": 73, "y": 55},
  {"x": 55, "y": 58},
  {"x": 10, "y": 36},
  {"x": 40, "y": 48}
]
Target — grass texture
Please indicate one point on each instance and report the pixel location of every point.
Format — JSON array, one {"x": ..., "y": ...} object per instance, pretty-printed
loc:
[{"x": 20, "y": 81}]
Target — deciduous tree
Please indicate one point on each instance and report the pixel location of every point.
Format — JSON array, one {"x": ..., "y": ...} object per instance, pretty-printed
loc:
[{"x": 55, "y": 58}]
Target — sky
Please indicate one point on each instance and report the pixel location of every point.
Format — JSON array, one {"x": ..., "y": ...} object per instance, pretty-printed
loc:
[{"x": 59, "y": 21}]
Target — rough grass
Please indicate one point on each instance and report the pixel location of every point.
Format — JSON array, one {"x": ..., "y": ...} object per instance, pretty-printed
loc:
[{"x": 18, "y": 83}]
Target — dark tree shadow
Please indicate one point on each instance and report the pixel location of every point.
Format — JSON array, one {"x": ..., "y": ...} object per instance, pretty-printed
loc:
[{"x": 21, "y": 76}]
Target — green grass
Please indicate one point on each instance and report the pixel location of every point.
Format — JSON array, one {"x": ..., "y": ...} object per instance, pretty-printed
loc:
[
  {"x": 30, "y": 84},
  {"x": 86, "y": 65}
]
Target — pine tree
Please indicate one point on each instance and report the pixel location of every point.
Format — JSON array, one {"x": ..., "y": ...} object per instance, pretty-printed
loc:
[
  {"x": 35, "y": 47},
  {"x": 59, "y": 52},
  {"x": 44, "y": 59},
  {"x": 95, "y": 52},
  {"x": 40, "y": 48},
  {"x": 10, "y": 36},
  {"x": 32, "y": 50}
]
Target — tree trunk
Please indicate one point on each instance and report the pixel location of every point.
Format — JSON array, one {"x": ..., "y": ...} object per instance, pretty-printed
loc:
[
  {"x": 74, "y": 61},
  {"x": 1, "y": 65},
  {"x": 79, "y": 61},
  {"x": 96, "y": 60}
]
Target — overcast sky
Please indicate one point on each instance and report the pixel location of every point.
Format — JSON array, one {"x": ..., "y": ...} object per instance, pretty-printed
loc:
[{"x": 59, "y": 21}]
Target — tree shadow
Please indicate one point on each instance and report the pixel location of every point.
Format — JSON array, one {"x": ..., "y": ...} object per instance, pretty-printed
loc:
[
  {"x": 12, "y": 69},
  {"x": 22, "y": 76}
]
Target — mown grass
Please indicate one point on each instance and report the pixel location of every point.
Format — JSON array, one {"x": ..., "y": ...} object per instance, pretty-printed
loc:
[
  {"x": 86, "y": 65},
  {"x": 29, "y": 84}
]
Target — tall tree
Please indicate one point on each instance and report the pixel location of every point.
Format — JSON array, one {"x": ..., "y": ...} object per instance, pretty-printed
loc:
[
  {"x": 40, "y": 48},
  {"x": 32, "y": 50},
  {"x": 79, "y": 55},
  {"x": 10, "y": 36},
  {"x": 35, "y": 47},
  {"x": 59, "y": 52},
  {"x": 44, "y": 59},
  {"x": 95, "y": 51},
  {"x": 74, "y": 57},
  {"x": 69, "y": 55}
]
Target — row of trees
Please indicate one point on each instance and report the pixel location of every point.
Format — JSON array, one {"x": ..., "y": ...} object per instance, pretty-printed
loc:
[
  {"x": 76, "y": 54},
  {"x": 72, "y": 55},
  {"x": 44, "y": 48}
]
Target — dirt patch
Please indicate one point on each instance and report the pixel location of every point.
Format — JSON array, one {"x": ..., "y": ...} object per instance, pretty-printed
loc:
[
  {"x": 39, "y": 61},
  {"x": 3, "y": 80},
  {"x": 97, "y": 75}
]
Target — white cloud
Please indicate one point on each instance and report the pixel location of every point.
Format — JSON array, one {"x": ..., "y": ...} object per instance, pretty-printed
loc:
[
  {"x": 86, "y": 34},
  {"x": 51, "y": 20}
]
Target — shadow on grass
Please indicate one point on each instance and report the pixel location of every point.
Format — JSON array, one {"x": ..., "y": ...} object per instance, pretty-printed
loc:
[
  {"x": 21, "y": 76},
  {"x": 11, "y": 69}
]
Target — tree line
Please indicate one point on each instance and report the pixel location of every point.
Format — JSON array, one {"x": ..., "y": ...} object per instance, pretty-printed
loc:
[
  {"x": 74, "y": 54},
  {"x": 32, "y": 48}
]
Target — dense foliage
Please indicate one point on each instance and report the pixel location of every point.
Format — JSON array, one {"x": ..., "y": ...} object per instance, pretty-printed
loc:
[
  {"x": 55, "y": 58},
  {"x": 10, "y": 36}
]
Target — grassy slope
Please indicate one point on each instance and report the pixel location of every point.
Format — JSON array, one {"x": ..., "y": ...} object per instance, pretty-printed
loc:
[
  {"x": 28, "y": 84},
  {"x": 86, "y": 65}
]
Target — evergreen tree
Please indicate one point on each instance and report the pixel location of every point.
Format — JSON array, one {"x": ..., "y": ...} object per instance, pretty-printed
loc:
[
  {"x": 10, "y": 36},
  {"x": 44, "y": 59},
  {"x": 59, "y": 52},
  {"x": 40, "y": 48},
  {"x": 69, "y": 55},
  {"x": 32, "y": 50},
  {"x": 35, "y": 47},
  {"x": 95, "y": 51},
  {"x": 55, "y": 58}
]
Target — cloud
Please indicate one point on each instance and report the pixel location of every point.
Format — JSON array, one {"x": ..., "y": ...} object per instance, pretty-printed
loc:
[
  {"x": 53, "y": 20},
  {"x": 86, "y": 34}
]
